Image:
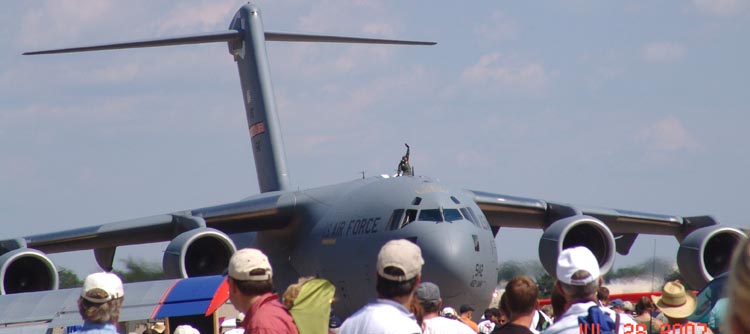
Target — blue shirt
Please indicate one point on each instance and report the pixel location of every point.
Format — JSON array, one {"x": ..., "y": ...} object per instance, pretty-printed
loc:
[{"x": 97, "y": 328}]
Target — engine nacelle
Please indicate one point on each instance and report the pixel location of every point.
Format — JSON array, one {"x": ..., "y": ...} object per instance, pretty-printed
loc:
[
  {"x": 706, "y": 253},
  {"x": 577, "y": 231},
  {"x": 199, "y": 252},
  {"x": 26, "y": 270}
]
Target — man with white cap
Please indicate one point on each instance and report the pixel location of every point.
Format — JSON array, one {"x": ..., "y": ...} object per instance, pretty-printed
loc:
[
  {"x": 578, "y": 278},
  {"x": 100, "y": 303},
  {"x": 399, "y": 271},
  {"x": 251, "y": 291},
  {"x": 428, "y": 295},
  {"x": 186, "y": 329}
]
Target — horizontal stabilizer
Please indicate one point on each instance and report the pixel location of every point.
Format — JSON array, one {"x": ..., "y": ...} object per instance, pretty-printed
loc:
[
  {"x": 220, "y": 36},
  {"x": 225, "y": 36},
  {"x": 287, "y": 37}
]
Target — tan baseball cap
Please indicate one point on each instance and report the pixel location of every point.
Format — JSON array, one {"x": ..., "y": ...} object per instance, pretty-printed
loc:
[
  {"x": 246, "y": 260},
  {"x": 402, "y": 254},
  {"x": 107, "y": 282}
]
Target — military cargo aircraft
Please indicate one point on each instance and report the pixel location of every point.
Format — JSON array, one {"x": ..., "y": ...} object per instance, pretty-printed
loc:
[{"x": 335, "y": 231}]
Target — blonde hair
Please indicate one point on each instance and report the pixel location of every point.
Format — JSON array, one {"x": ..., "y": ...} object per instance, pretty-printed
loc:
[
  {"x": 738, "y": 290},
  {"x": 292, "y": 292}
]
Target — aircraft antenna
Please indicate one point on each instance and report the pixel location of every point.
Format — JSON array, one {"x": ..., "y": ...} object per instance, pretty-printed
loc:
[{"x": 247, "y": 43}]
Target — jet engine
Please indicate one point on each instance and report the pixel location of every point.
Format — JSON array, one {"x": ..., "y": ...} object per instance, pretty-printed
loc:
[
  {"x": 26, "y": 270},
  {"x": 198, "y": 252},
  {"x": 577, "y": 231},
  {"x": 706, "y": 253}
]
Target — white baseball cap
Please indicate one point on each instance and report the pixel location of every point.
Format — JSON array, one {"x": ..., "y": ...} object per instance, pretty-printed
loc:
[
  {"x": 574, "y": 259},
  {"x": 448, "y": 311},
  {"x": 246, "y": 260},
  {"x": 402, "y": 254},
  {"x": 186, "y": 329},
  {"x": 107, "y": 282}
]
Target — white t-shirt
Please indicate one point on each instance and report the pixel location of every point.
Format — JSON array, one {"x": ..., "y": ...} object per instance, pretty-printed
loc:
[
  {"x": 568, "y": 323},
  {"x": 486, "y": 326},
  {"x": 380, "y": 317},
  {"x": 442, "y": 325}
]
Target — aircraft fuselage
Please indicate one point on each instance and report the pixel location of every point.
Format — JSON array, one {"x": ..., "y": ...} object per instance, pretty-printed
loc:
[{"x": 337, "y": 231}]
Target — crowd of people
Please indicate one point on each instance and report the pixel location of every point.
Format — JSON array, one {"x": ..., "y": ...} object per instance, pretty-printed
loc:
[{"x": 407, "y": 305}]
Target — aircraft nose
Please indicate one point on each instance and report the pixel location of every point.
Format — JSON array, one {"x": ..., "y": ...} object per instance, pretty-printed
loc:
[{"x": 462, "y": 262}]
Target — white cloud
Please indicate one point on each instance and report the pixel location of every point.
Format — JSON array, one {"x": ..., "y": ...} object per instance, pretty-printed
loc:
[
  {"x": 53, "y": 21},
  {"x": 501, "y": 27},
  {"x": 721, "y": 7},
  {"x": 497, "y": 70},
  {"x": 667, "y": 134},
  {"x": 192, "y": 18},
  {"x": 660, "y": 52}
]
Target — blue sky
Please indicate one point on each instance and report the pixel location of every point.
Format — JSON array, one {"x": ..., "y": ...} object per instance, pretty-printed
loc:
[{"x": 638, "y": 105}]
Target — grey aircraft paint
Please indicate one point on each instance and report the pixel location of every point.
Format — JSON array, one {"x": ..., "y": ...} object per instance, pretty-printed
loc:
[{"x": 336, "y": 231}]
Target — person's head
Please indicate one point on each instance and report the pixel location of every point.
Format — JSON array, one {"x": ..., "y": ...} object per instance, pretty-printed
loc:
[
  {"x": 738, "y": 290},
  {"x": 159, "y": 327},
  {"x": 334, "y": 324},
  {"x": 521, "y": 296},
  {"x": 185, "y": 329},
  {"x": 644, "y": 305},
  {"x": 449, "y": 312},
  {"x": 578, "y": 274},
  {"x": 292, "y": 292},
  {"x": 399, "y": 269},
  {"x": 675, "y": 302},
  {"x": 617, "y": 305},
  {"x": 428, "y": 296},
  {"x": 602, "y": 294},
  {"x": 558, "y": 302},
  {"x": 492, "y": 314},
  {"x": 101, "y": 298},
  {"x": 150, "y": 331},
  {"x": 250, "y": 275},
  {"x": 466, "y": 310}
]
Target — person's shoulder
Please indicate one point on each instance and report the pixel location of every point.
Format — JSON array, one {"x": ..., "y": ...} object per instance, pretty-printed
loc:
[
  {"x": 566, "y": 325},
  {"x": 512, "y": 329},
  {"x": 454, "y": 325}
]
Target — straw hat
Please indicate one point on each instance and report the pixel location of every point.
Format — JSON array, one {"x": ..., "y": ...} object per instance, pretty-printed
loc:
[
  {"x": 675, "y": 302},
  {"x": 159, "y": 327}
]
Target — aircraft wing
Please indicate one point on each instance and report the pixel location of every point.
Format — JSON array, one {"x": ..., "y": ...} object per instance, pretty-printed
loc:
[
  {"x": 256, "y": 213},
  {"x": 512, "y": 211},
  {"x": 36, "y": 312}
]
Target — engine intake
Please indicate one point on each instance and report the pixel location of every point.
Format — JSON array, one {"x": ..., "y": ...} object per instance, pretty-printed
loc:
[
  {"x": 26, "y": 270},
  {"x": 706, "y": 253},
  {"x": 577, "y": 231},
  {"x": 199, "y": 252}
]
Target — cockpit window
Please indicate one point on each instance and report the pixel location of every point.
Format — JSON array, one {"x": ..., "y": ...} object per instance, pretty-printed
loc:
[
  {"x": 469, "y": 214},
  {"x": 410, "y": 216},
  {"x": 452, "y": 215},
  {"x": 393, "y": 223},
  {"x": 431, "y": 215}
]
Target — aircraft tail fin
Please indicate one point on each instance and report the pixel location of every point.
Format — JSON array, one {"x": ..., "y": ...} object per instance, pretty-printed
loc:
[{"x": 246, "y": 41}]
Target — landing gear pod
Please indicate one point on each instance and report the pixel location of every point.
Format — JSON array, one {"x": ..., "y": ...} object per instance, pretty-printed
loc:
[
  {"x": 706, "y": 253},
  {"x": 199, "y": 252},
  {"x": 26, "y": 270},
  {"x": 577, "y": 231}
]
